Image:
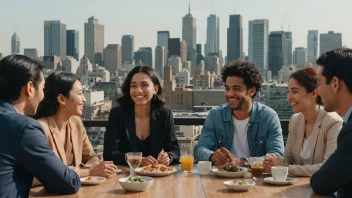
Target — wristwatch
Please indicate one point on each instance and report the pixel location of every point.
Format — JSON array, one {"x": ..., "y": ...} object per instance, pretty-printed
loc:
[{"x": 246, "y": 164}]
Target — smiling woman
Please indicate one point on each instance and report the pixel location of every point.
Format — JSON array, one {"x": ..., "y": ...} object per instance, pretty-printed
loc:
[{"x": 142, "y": 122}]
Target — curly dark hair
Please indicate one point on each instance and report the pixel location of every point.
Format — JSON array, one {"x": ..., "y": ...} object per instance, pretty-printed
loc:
[
  {"x": 125, "y": 100},
  {"x": 247, "y": 70}
]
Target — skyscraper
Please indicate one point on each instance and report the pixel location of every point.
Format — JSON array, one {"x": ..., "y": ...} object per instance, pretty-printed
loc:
[
  {"x": 190, "y": 36},
  {"x": 235, "y": 38},
  {"x": 31, "y": 53},
  {"x": 276, "y": 51},
  {"x": 300, "y": 57},
  {"x": 330, "y": 41},
  {"x": 163, "y": 38},
  {"x": 72, "y": 46},
  {"x": 112, "y": 57},
  {"x": 15, "y": 44},
  {"x": 174, "y": 47},
  {"x": 175, "y": 63},
  {"x": 288, "y": 48},
  {"x": 127, "y": 48},
  {"x": 200, "y": 56},
  {"x": 183, "y": 51},
  {"x": 213, "y": 35},
  {"x": 312, "y": 46},
  {"x": 258, "y": 44},
  {"x": 144, "y": 56},
  {"x": 94, "y": 41},
  {"x": 55, "y": 39},
  {"x": 160, "y": 60}
]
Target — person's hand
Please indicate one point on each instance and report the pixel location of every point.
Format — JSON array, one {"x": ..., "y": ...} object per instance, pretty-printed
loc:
[
  {"x": 163, "y": 158},
  {"x": 221, "y": 157},
  {"x": 149, "y": 160},
  {"x": 103, "y": 169},
  {"x": 272, "y": 160}
]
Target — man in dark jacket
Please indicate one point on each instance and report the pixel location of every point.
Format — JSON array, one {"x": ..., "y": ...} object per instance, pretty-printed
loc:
[
  {"x": 24, "y": 149},
  {"x": 335, "y": 88}
]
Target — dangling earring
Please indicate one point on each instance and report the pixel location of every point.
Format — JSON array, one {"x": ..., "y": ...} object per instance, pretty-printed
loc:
[{"x": 154, "y": 98}]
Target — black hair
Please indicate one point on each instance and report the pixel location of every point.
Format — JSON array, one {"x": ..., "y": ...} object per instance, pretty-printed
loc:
[
  {"x": 55, "y": 84},
  {"x": 15, "y": 72},
  {"x": 125, "y": 100},
  {"x": 337, "y": 62},
  {"x": 247, "y": 70}
]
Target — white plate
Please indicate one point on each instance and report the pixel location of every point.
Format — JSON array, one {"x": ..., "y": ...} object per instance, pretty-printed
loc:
[
  {"x": 139, "y": 171},
  {"x": 137, "y": 187},
  {"x": 288, "y": 181},
  {"x": 115, "y": 172},
  {"x": 98, "y": 180},
  {"x": 236, "y": 187},
  {"x": 230, "y": 174}
]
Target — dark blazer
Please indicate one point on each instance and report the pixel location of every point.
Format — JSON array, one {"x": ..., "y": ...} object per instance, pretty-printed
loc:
[
  {"x": 336, "y": 173},
  {"x": 25, "y": 154},
  {"x": 120, "y": 136}
]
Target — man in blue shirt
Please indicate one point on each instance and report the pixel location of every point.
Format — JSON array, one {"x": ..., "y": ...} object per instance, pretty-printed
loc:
[
  {"x": 335, "y": 89},
  {"x": 24, "y": 149},
  {"x": 242, "y": 128}
]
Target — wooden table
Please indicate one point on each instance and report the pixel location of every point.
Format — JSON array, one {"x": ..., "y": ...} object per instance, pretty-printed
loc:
[{"x": 188, "y": 185}]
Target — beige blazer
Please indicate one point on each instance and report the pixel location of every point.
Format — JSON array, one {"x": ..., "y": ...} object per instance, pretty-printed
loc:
[
  {"x": 322, "y": 142},
  {"x": 83, "y": 152}
]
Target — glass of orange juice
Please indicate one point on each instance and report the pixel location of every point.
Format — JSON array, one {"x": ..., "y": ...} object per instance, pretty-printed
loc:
[{"x": 187, "y": 159}]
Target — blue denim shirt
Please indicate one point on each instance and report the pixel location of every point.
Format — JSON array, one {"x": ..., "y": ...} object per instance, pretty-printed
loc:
[{"x": 264, "y": 132}]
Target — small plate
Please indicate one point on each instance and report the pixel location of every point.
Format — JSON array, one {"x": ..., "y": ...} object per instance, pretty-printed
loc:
[
  {"x": 288, "y": 181},
  {"x": 115, "y": 172},
  {"x": 139, "y": 171},
  {"x": 230, "y": 174},
  {"x": 97, "y": 180},
  {"x": 230, "y": 185}
]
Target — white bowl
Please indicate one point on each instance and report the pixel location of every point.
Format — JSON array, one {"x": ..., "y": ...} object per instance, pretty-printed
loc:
[
  {"x": 230, "y": 185},
  {"x": 230, "y": 174},
  {"x": 141, "y": 186}
]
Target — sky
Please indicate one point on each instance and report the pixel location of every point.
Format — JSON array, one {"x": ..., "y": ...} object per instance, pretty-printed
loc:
[{"x": 143, "y": 19}]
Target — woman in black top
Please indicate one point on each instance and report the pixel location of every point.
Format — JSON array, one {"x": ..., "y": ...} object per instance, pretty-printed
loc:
[{"x": 142, "y": 123}]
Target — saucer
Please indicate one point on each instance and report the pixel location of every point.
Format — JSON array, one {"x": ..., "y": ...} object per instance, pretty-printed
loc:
[{"x": 288, "y": 181}]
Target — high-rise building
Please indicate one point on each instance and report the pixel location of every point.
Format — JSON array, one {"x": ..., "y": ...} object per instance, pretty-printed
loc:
[
  {"x": 175, "y": 63},
  {"x": 187, "y": 65},
  {"x": 183, "y": 51},
  {"x": 84, "y": 69},
  {"x": 174, "y": 47},
  {"x": 330, "y": 41},
  {"x": 258, "y": 44},
  {"x": 200, "y": 56},
  {"x": 288, "y": 48},
  {"x": 70, "y": 64},
  {"x": 163, "y": 38},
  {"x": 94, "y": 41},
  {"x": 127, "y": 48},
  {"x": 300, "y": 57},
  {"x": 235, "y": 38},
  {"x": 15, "y": 44},
  {"x": 276, "y": 51},
  {"x": 189, "y": 34},
  {"x": 213, "y": 35},
  {"x": 160, "y": 60},
  {"x": 312, "y": 46},
  {"x": 144, "y": 56},
  {"x": 55, "y": 39},
  {"x": 72, "y": 46},
  {"x": 212, "y": 63},
  {"x": 31, "y": 53},
  {"x": 183, "y": 77},
  {"x": 112, "y": 58}
]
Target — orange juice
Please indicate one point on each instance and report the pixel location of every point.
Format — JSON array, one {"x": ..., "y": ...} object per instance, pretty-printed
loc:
[{"x": 187, "y": 163}]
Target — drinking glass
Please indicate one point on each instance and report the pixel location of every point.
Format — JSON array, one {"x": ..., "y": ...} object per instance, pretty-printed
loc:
[
  {"x": 257, "y": 167},
  {"x": 133, "y": 159},
  {"x": 187, "y": 159}
]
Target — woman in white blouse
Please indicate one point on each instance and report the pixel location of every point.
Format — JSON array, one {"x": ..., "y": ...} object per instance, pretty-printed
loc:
[{"x": 312, "y": 131}]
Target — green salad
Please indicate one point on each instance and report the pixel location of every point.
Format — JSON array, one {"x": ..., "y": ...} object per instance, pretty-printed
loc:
[{"x": 135, "y": 179}]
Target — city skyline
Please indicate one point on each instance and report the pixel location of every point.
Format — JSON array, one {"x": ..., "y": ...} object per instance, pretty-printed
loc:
[{"x": 169, "y": 18}]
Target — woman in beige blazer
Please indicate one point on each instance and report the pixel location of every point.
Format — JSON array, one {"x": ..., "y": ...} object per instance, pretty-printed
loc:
[
  {"x": 312, "y": 131},
  {"x": 58, "y": 114}
]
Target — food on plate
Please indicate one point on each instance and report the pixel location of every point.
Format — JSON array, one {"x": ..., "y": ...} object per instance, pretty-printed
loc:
[
  {"x": 92, "y": 179},
  {"x": 135, "y": 180},
  {"x": 229, "y": 168},
  {"x": 240, "y": 182},
  {"x": 158, "y": 168}
]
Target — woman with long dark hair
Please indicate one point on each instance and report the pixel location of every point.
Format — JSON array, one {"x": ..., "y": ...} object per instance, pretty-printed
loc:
[
  {"x": 59, "y": 114},
  {"x": 142, "y": 122},
  {"x": 312, "y": 131}
]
